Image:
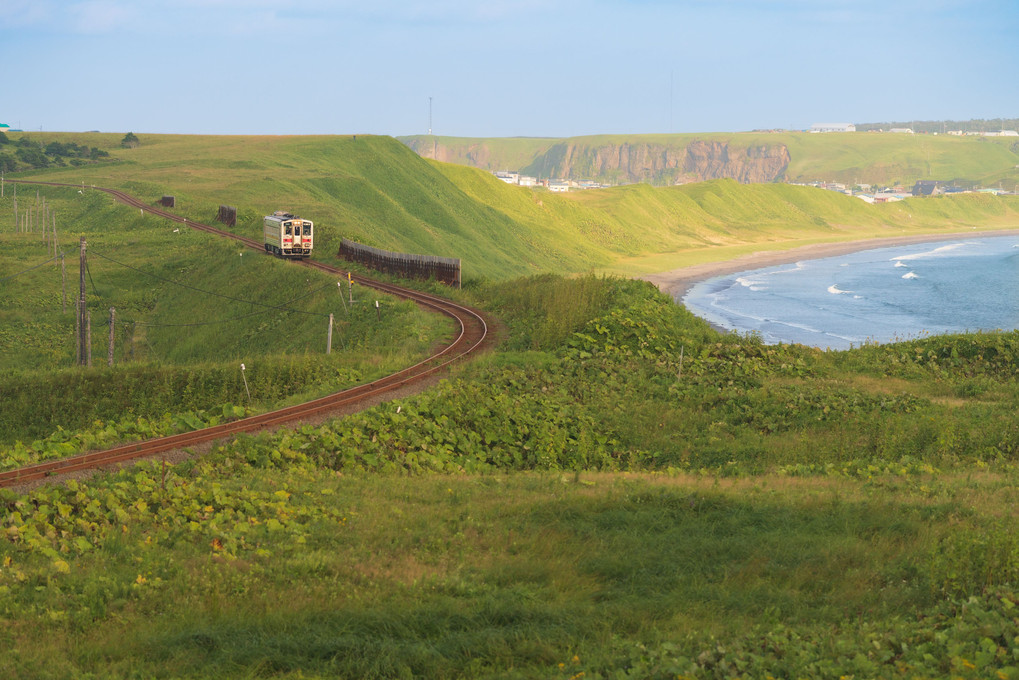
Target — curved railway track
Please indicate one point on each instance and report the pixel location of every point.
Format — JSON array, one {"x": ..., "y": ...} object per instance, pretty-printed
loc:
[{"x": 472, "y": 335}]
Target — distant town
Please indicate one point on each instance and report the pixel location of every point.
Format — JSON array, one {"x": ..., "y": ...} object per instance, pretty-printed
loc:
[
  {"x": 850, "y": 127},
  {"x": 865, "y": 192},
  {"x": 556, "y": 185},
  {"x": 924, "y": 187}
]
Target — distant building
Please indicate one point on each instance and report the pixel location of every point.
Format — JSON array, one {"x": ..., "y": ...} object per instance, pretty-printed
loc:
[
  {"x": 559, "y": 186},
  {"x": 929, "y": 187},
  {"x": 887, "y": 197},
  {"x": 526, "y": 181},
  {"x": 907, "y": 131},
  {"x": 508, "y": 177},
  {"x": 833, "y": 127}
]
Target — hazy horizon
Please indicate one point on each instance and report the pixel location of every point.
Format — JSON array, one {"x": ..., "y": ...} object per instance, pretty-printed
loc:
[{"x": 522, "y": 68}]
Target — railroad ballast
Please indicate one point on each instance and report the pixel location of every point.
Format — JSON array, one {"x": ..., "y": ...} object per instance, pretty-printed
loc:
[{"x": 288, "y": 235}]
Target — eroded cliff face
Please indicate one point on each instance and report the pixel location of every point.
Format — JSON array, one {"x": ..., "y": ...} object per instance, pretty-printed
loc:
[
  {"x": 660, "y": 164},
  {"x": 716, "y": 160}
]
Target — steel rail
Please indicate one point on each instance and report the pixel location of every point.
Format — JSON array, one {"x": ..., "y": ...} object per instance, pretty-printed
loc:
[{"x": 472, "y": 334}]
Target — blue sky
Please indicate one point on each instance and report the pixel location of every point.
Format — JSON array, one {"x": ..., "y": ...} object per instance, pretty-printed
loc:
[{"x": 546, "y": 68}]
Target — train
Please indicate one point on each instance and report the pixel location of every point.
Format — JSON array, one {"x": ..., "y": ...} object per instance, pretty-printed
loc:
[{"x": 288, "y": 235}]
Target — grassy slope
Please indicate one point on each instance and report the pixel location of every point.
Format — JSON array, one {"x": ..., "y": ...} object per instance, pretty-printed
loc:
[
  {"x": 886, "y": 158},
  {"x": 371, "y": 189},
  {"x": 375, "y": 190},
  {"x": 183, "y": 322},
  {"x": 713, "y": 221}
]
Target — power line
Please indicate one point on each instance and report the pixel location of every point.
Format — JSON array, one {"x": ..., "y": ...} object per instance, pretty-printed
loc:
[
  {"x": 88, "y": 270},
  {"x": 25, "y": 271}
]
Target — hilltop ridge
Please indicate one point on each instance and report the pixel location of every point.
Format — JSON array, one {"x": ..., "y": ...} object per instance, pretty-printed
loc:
[{"x": 747, "y": 157}]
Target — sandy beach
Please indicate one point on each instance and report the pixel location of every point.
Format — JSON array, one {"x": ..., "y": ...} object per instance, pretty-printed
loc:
[{"x": 677, "y": 282}]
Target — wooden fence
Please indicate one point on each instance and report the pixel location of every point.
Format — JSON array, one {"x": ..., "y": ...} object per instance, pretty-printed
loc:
[
  {"x": 444, "y": 269},
  {"x": 227, "y": 215}
]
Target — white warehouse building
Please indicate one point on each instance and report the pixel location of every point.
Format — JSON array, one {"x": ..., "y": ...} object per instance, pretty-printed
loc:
[{"x": 833, "y": 127}]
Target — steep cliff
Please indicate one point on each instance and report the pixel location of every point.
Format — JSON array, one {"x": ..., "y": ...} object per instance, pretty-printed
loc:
[
  {"x": 716, "y": 160},
  {"x": 662, "y": 163}
]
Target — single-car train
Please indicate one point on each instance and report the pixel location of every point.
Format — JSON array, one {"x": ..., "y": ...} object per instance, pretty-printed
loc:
[{"x": 288, "y": 236}]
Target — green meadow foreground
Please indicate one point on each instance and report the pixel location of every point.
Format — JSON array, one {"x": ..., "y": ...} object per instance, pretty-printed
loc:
[{"x": 617, "y": 491}]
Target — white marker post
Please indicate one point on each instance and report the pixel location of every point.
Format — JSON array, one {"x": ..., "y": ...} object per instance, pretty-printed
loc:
[
  {"x": 339, "y": 287},
  {"x": 245, "y": 383}
]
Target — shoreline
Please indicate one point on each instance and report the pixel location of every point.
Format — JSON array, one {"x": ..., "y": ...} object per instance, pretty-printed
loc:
[{"x": 678, "y": 282}]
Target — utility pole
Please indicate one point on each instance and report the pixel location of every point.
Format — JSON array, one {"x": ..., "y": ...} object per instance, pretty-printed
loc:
[
  {"x": 82, "y": 311},
  {"x": 329, "y": 336}
]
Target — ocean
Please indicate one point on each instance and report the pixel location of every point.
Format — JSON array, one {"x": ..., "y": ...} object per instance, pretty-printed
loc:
[{"x": 872, "y": 296}]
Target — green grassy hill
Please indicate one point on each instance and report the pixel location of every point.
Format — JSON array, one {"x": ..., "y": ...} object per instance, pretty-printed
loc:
[
  {"x": 370, "y": 189},
  {"x": 376, "y": 191},
  {"x": 190, "y": 309}
]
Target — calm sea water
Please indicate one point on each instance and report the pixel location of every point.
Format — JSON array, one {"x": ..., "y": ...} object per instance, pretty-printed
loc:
[{"x": 879, "y": 295}]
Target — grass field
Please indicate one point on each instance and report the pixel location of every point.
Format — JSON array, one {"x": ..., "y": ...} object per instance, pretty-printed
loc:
[{"x": 617, "y": 491}]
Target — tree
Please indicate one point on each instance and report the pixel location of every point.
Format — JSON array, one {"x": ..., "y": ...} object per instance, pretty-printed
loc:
[
  {"x": 33, "y": 156},
  {"x": 130, "y": 141},
  {"x": 4, "y": 139}
]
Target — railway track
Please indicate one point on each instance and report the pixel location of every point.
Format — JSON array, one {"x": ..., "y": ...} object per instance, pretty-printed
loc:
[{"x": 472, "y": 334}]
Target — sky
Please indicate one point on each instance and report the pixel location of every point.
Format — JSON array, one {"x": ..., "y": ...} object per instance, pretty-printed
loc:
[{"x": 501, "y": 68}]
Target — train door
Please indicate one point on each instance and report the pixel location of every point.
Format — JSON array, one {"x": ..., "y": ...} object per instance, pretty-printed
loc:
[{"x": 306, "y": 240}]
